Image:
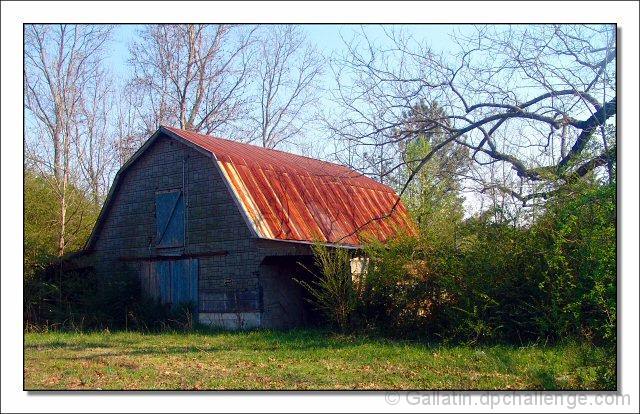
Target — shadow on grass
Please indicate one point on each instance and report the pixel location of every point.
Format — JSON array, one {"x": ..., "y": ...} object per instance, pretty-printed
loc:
[
  {"x": 72, "y": 345},
  {"x": 207, "y": 340},
  {"x": 294, "y": 340}
]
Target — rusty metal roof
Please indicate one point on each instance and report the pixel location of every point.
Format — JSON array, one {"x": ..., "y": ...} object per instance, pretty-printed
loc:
[{"x": 296, "y": 198}]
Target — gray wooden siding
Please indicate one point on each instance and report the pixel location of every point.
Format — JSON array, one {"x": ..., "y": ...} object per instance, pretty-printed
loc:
[{"x": 213, "y": 226}]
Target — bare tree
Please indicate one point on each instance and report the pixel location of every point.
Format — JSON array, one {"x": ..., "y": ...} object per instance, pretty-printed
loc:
[
  {"x": 192, "y": 76},
  {"x": 60, "y": 63},
  {"x": 288, "y": 68},
  {"x": 93, "y": 137},
  {"x": 131, "y": 132},
  {"x": 531, "y": 98}
]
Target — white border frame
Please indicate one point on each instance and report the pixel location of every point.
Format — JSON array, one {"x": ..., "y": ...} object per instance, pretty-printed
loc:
[{"x": 14, "y": 14}]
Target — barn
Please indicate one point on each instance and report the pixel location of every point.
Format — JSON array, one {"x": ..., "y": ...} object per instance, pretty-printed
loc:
[{"x": 225, "y": 225}]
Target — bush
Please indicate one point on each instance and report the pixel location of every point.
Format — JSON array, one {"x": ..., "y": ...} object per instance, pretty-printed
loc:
[
  {"x": 78, "y": 300},
  {"x": 493, "y": 282},
  {"x": 42, "y": 221},
  {"x": 56, "y": 299},
  {"x": 581, "y": 256},
  {"x": 331, "y": 288},
  {"x": 407, "y": 288}
]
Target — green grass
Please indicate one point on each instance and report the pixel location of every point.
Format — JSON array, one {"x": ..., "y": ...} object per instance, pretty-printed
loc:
[{"x": 303, "y": 359}]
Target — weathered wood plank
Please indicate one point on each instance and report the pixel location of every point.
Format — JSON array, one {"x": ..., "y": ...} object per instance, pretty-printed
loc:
[
  {"x": 193, "y": 282},
  {"x": 163, "y": 271},
  {"x": 164, "y": 257}
]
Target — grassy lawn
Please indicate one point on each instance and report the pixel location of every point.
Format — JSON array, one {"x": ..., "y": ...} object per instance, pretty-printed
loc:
[{"x": 293, "y": 360}]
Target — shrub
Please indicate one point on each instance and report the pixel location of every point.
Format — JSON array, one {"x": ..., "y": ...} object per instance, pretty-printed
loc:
[
  {"x": 78, "y": 300},
  {"x": 497, "y": 282},
  {"x": 407, "y": 287},
  {"x": 56, "y": 299},
  {"x": 331, "y": 288},
  {"x": 581, "y": 257},
  {"x": 42, "y": 221}
]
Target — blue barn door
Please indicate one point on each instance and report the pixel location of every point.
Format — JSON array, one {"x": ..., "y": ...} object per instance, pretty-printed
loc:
[
  {"x": 172, "y": 282},
  {"x": 163, "y": 273},
  {"x": 170, "y": 219},
  {"x": 184, "y": 281}
]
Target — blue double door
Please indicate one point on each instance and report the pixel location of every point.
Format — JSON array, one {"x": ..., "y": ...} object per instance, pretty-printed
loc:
[{"x": 173, "y": 282}]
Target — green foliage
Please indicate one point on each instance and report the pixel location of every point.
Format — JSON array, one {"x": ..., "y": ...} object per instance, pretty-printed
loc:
[
  {"x": 77, "y": 300},
  {"x": 491, "y": 283},
  {"x": 403, "y": 293},
  {"x": 61, "y": 299},
  {"x": 54, "y": 300},
  {"x": 496, "y": 282},
  {"x": 42, "y": 221},
  {"x": 40, "y": 218},
  {"x": 581, "y": 274},
  {"x": 433, "y": 195},
  {"x": 331, "y": 288}
]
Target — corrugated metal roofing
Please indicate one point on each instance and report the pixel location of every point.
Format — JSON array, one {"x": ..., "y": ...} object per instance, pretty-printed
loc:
[{"x": 296, "y": 198}]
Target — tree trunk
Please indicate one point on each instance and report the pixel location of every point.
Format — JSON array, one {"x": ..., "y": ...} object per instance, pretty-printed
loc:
[
  {"x": 57, "y": 157},
  {"x": 63, "y": 218},
  {"x": 63, "y": 195}
]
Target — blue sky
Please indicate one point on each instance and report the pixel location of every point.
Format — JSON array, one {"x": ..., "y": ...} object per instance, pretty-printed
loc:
[{"x": 327, "y": 37}]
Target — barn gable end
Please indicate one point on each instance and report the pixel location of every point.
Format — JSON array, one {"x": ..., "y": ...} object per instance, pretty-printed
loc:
[{"x": 215, "y": 235}]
